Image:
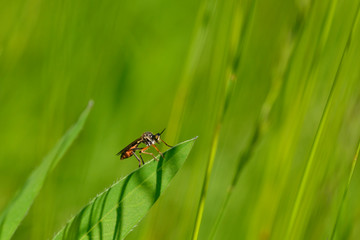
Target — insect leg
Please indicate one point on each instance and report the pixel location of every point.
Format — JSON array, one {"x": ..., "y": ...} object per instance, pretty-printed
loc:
[
  {"x": 157, "y": 150},
  {"x": 138, "y": 159},
  {"x": 135, "y": 149},
  {"x": 142, "y": 159},
  {"x": 146, "y": 148},
  {"x": 165, "y": 143}
]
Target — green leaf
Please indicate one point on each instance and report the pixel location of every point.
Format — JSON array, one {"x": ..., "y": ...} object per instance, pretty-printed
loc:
[
  {"x": 17, "y": 209},
  {"x": 113, "y": 213}
]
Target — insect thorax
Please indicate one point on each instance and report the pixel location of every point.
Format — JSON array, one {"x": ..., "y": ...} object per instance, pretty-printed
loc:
[{"x": 149, "y": 138}]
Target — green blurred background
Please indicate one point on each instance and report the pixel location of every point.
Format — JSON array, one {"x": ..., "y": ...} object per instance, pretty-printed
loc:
[{"x": 155, "y": 64}]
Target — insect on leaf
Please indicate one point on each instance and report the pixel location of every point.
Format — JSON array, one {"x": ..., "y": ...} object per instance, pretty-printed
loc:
[{"x": 113, "y": 213}]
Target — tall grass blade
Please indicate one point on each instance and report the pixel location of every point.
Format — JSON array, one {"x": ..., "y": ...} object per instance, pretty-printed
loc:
[
  {"x": 17, "y": 209},
  {"x": 230, "y": 80},
  {"x": 200, "y": 35},
  {"x": 262, "y": 122},
  {"x": 345, "y": 191},
  {"x": 306, "y": 177},
  {"x": 115, "y": 212}
]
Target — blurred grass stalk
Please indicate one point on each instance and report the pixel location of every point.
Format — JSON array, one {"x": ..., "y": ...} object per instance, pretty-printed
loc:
[
  {"x": 277, "y": 82},
  {"x": 198, "y": 43},
  {"x": 292, "y": 227},
  {"x": 231, "y": 66},
  {"x": 262, "y": 123},
  {"x": 210, "y": 163},
  {"x": 18, "y": 208},
  {"x": 345, "y": 191}
]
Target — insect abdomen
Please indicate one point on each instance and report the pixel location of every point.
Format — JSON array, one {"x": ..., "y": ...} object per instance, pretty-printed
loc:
[{"x": 126, "y": 155}]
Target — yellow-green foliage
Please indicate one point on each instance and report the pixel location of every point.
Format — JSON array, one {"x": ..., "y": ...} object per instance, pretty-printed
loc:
[{"x": 272, "y": 89}]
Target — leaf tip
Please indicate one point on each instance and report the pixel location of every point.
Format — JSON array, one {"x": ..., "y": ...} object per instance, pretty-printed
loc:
[{"x": 90, "y": 104}]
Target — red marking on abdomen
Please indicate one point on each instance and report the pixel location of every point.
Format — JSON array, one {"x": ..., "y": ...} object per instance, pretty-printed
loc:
[{"x": 127, "y": 154}]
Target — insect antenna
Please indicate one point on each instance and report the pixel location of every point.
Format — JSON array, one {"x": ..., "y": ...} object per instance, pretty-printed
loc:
[
  {"x": 161, "y": 132},
  {"x": 163, "y": 140}
]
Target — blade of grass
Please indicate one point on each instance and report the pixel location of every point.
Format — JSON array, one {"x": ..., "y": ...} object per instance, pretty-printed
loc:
[
  {"x": 230, "y": 80},
  {"x": 345, "y": 191},
  {"x": 17, "y": 209},
  {"x": 237, "y": 37},
  {"x": 263, "y": 118},
  {"x": 305, "y": 180},
  {"x": 116, "y": 211},
  {"x": 200, "y": 35}
]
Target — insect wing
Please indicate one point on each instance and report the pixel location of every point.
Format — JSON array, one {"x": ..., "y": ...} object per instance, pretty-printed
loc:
[{"x": 134, "y": 143}]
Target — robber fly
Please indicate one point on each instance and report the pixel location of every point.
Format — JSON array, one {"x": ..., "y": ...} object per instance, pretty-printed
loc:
[{"x": 149, "y": 140}]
